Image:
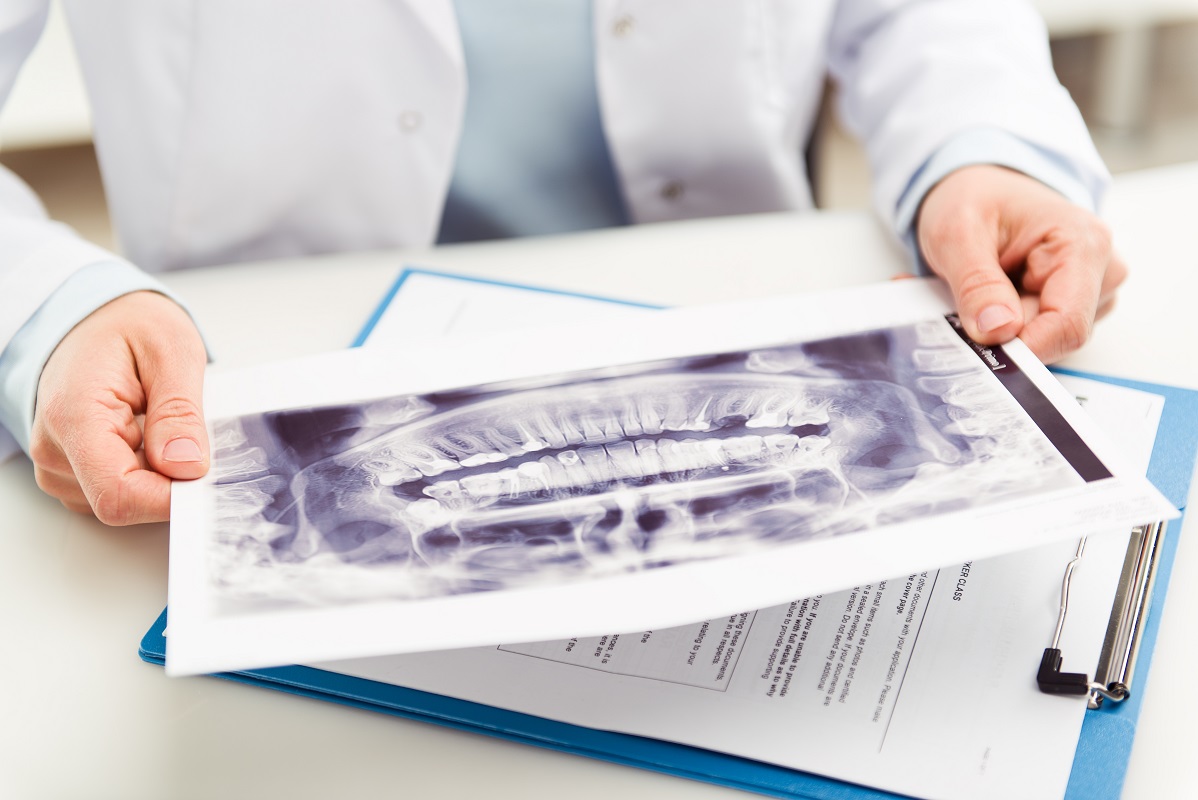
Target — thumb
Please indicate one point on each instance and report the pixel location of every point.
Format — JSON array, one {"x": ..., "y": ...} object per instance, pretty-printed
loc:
[
  {"x": 986, "y": 299},
  {"x": 176, "y": 439}
]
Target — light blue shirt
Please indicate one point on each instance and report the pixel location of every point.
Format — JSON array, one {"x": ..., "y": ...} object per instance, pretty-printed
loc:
[{"x": 532, "y": 160}]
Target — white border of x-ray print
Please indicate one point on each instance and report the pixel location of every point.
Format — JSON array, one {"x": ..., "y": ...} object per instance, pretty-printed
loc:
[{"x": 203, "y": 641}]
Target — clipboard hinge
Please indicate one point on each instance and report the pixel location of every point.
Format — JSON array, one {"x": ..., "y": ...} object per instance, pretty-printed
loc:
[{"x": 1128, "y": 616}]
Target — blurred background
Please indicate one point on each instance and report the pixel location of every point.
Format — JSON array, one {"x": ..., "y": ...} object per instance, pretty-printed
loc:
[{"x": 1131, "y": 66}]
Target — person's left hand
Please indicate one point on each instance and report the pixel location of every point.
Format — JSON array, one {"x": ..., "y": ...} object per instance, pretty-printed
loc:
[{"x": 1021, "y": 260}]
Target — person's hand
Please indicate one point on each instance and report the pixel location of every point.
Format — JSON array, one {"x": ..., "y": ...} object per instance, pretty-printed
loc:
[
  {"x": 138, "y": 355},
  {"x": 994, "y": 234}
]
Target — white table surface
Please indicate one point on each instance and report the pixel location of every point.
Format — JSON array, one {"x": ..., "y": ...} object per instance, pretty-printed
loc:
[{"x": 82, "y": 717}]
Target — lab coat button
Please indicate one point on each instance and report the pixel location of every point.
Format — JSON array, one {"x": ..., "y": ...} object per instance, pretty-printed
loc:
[
  {"x": 410, "y": 121},
  {"x": 672, "y": 190},
  {"x": 622, "y": 26}
]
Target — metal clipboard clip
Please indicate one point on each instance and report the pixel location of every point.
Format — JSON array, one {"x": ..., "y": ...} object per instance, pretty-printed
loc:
[{"x": 1121, "y": 645}]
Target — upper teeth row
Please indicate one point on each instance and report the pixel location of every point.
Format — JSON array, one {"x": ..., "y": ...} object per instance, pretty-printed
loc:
[{"x": 397, "y": 462}]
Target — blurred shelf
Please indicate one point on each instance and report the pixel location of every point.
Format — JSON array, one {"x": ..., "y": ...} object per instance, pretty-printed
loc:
[{"x": 1083, "y": 17}]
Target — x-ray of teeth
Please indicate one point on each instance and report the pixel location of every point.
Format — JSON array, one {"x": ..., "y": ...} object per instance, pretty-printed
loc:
[{"x": 598, "y": 473}]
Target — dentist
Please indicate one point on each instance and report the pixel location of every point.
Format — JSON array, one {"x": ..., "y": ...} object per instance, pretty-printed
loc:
[{"x": 229, "y": 131}]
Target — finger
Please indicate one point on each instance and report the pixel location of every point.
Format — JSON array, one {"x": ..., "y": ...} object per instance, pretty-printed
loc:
[
  {"x": 129, "y": 496},
  {"x": 966, "y": 256},
  {"x": 1054, "y": 334},
  {"x": 63, "y": 488},
  {"x": 62, "y": 485},
  {"x": 56, "y": 477},
  {"x": 1105, "y": 307},
  {"x": 176, "y": 440},
  {"x": 112, "y": 476},
  {"x": 1069, "y": 277},
  {"x": 45, "y": 453},
  {"x": 1115, "y": 275},
  {"x": 83, "y": 509}
]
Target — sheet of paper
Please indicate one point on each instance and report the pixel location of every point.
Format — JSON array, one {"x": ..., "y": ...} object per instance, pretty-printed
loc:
[
  {"x": 922, "y": 684},
  {"x": 518, "y": 486},
  {"x": 897, "y": 684}
]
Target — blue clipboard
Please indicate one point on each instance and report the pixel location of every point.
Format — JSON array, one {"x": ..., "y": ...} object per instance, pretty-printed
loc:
[{"x": 1103, "y": 751}]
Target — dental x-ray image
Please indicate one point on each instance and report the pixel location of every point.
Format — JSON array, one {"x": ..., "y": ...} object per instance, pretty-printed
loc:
[{"x": 596, "y": 473}]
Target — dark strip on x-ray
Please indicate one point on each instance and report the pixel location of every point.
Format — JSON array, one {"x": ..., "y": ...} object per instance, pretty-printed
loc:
[{"x": 1046, "y": 416}]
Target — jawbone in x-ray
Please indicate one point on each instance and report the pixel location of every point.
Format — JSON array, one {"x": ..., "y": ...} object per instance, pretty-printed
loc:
[{"x": 626, "y": 469}]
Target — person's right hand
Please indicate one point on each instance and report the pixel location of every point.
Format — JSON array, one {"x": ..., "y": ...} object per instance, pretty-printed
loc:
[{"x": 138, "y": 355}]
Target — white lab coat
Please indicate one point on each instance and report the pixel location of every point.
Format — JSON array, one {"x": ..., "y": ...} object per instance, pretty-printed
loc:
[{"x": 248, "y": 129}]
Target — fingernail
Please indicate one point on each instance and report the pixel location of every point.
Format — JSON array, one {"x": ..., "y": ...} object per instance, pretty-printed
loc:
[
  {"x": 994, "y": 317},
  {"x": 182, "y": 450}
]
